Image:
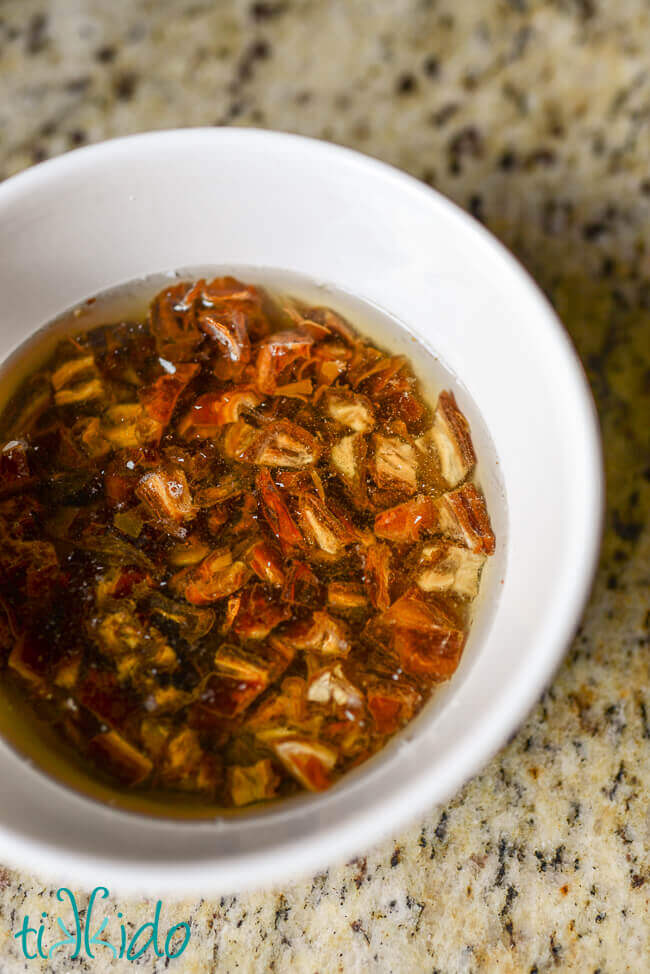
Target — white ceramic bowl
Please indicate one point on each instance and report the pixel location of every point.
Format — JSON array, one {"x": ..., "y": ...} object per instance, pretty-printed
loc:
[{"x": 113, "y": 212}]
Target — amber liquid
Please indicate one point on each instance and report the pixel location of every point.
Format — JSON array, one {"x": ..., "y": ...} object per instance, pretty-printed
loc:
[{"x": 28, "y": 722}]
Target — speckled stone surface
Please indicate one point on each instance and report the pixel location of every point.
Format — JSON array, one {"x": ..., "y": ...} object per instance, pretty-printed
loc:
[{"x": 535, "y": 116}]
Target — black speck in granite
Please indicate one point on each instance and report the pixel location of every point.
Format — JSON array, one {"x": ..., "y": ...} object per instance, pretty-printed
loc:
[
  {"x": 266, "y": 11},
  {"x": 125, "y": 84},
  {"x": 475, "y": 206},
  {"x": 431, "y": 66},
  {"x": 507, "y": 160},
  {"x": 442, "y": 115},
  {"x": 106, "y": 54},
  {"x": 356, "y": 926},
  {"x": 36, "y": 37},
  {"x": 467, "y": 143},
  {"x": 406, "y": 84}
]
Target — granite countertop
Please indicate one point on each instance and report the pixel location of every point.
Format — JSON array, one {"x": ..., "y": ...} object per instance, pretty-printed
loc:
[{"x": 535, "y": 116}]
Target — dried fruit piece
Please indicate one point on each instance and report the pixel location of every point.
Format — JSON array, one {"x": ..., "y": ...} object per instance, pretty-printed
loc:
[
  {"x": 223, "y": 696},
  {"x": 129, "y": 425},
  {"x": 166, "y": 493},
  {"x": 193, "y": 623},
  {"x": 214, "y": 578},
  {"x": 445, "y": 567},
  {"x": 230, "y": 332},
  {"x": 348, "y": 456},
  {"x": 325, "y": 527},
  {"x": 262, "y": 665},
  {"x": 277, "y": 513},
  {"x": 212, "y": 411},
  {"x": 452, "y": 439},
  {"x": 15, "y": 474},
  {"x": 391, "y": 704},
  {"x": 266, "y": 561},
  {"x": 331, "y": 686},
  {"x": 346, "y": 595},
  {"x": 120, "y": 758},
  {"x": 394, "y": 464},
  {"x": 310, "y": 762},
  {"x": 352, "y": 410},
  {"x": 77, "y": 381},
  {"x": 376, "y": 560},
  {"x": 409, "y": 521},
  {"x": 426, "y": 639},
  {"x": 238, "y": 440},
  {"x": 321, "y": 634},
  {"x": 257, "y": 614},
  {"x": 285, "y": 444},
  {"x": 254, "y": 783},
  {"x": 462, "y": 515},
  {"x": 160, "y": 398},
  {"x": 276, "y": 354}
]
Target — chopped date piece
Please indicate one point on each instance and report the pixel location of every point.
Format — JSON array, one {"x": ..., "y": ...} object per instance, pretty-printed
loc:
[
  {"x": 77, "y": 381},
  {"x": 230, "y": 333},
  {"x": 262, "y": 665},
  {"x": 426, "y": 639},
  {"x": 391, "y": 704},
  {"x": 310, "y": 762},
  {"x": 129, "y": 425},
  {"x": 278, "y": 355},
  {"x": 15, "y": 474},
  {"x": 346, "y": 595},
  {"x": 377, "y": 574},
  {"x": 238, "y": 547},
  {"x": 212, "y": 411},
  {"x": 286, "y": 708},
  {"x": 407, "y": 522},
  {"x": 394, "y": 464},
  {"x": 166, "y": 493},
  {"x": 187, "y": 766},
  {"x": 172, "y": 319},
  {"x": 452, "y": 439},
  {"x": 277, "y": 513},
  {"x": 321, "y": 634},
  {"x": 239, "y": 440},
  {"x": 462, "y": 515},
  {"x": 331, "y": 686},
  {"x": 228, "y": 486},
  {"x": 284, "y": 444},
  {"x": 193, "y": 624},
  {"x": 160, "y": 398},
  {"x": 445, "y": 567},
  {"x": 257, "y": 614},
  {"x": 353, "y": 411},
  {"x": 73, "y": 371},
  {"x": 227, "y": 696},
  {"x": 214, "y": 578},
  {"x": 335, "y": 324},
  {"x": 253, "y": 783},
  {"x": 301, "y": 585},
  {"x": 189, "y": 552},
  {"x": 114, "y": 753},
  {"x": 266, "y": 562},
  {"x": 326, "y": 528},
  {"x": 29, "y": 659},
  {"x": 348, "y": 458}
]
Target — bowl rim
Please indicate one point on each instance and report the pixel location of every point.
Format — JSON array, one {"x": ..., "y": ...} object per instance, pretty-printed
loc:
[{"x": 509, "y": 708}]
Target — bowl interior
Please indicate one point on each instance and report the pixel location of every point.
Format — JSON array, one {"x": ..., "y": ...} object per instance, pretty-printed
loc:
[{"x": 135, "y": 207}]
